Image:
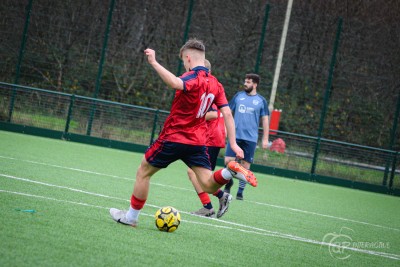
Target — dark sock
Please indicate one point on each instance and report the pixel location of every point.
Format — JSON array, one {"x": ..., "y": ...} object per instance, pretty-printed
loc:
[
  {"x": 229, "y": 184},
  {"x": 219, "y": 194},
  {"x": 242, "y": 185},
  {"x": 208, "y": 206}
]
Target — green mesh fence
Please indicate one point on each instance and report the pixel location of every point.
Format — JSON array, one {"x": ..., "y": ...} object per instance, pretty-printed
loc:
[
  {"x": 64, "y": 41},
  {"x": 70, "y": 114},
  {"x": 55, "y": 111}
]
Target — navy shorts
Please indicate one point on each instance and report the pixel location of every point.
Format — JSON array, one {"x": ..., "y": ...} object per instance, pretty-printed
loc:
[
  {"x": 249, "y": 148},
  {"x": 213, "y": 152},
  {"x": 162, "y": 153}
]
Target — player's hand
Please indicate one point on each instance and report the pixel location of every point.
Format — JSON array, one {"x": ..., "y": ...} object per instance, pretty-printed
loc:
[
  {"x": 238, "y": 151},
  {"x": 265, "y": 143},
  {"x": 151, "y": 55}
]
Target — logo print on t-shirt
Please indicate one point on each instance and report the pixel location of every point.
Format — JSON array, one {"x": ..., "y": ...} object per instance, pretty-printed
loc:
[
  {"x": 242, "y": 109},
  {"x": 255, "y": 102}
]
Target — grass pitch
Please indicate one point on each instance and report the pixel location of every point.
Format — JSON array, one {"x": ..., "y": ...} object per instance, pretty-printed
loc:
[{"x": 55, "y": 196}]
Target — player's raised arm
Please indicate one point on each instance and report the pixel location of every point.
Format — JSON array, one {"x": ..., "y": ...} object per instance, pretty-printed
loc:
[{"x": 170, "y": 79}]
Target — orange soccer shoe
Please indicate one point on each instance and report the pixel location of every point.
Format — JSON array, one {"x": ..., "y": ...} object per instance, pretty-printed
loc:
[{"x": 241, "y": 173}]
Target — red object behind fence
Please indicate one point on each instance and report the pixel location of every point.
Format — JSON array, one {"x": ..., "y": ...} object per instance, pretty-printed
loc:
[
  {"x": 278, "y": 145},
  {"x": 274, "y": 124}
]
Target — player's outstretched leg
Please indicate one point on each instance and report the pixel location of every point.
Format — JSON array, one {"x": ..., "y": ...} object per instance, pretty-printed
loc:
[{"x": 241, "y": 173}]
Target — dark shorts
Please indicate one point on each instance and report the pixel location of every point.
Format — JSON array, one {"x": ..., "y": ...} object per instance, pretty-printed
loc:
[
  {"x": 162, "y": 153},
  {"x": 213, "y": 152},
  {"x": 249, "y": 148}
]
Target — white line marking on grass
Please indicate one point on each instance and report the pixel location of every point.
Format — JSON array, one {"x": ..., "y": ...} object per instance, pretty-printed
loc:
[
  {"x": 265, "y": 232},
  {"x": 64, "y": 201},
  {"x": 58, "y": 186},
  {"x": 191, "y": 190},
  {"x": 68, "y": 168},
  {"x": 254, "y": 230},
  {"x": 323, "y": 215},
  {"x": 53, "y": 199},
  {"x": 69, "y": 188},
  {"x": 93, "y": 172}
]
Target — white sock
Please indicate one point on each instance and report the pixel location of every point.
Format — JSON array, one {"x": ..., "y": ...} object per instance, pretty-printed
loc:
[
  {"x": 226, "y": 174},
  {"x": 132, "y": 215}
]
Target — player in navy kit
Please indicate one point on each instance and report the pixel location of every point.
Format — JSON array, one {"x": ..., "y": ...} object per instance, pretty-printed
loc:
[
  {"x": 248, "y": 107},
  {"x": 183, "y": 136}
]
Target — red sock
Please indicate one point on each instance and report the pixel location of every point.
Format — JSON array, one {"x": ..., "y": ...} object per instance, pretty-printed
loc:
[
  {"x": 137, "y": 203},
  {"x": 218, "y": 177},
  {"x": 204, "y": 198}
]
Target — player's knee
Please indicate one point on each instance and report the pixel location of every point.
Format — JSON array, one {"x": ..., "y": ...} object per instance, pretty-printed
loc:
[{"x": 190, "y": 173}]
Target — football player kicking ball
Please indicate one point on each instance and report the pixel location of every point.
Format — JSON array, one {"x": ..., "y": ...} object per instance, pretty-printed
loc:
[{"x": 184, "y": 133}]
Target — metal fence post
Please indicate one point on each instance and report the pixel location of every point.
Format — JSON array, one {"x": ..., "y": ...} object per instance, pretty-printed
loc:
[
  {"x": 186, "y": 33},
  {"x": 261, "y": 45},
  {"x": 153, "y": 132},
  {"x": 185, "y": 37},
  {"x": 20, "y": 57},
  {"x": 327, "y": 94},
  {"x": 393, "y": 170},
  {"x": 69, "y": 115},
  {"x": 392, "y": 139},
  {"x": 100, "y": 71}
]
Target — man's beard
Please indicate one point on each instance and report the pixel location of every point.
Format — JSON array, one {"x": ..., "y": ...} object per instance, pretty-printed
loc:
[{"x": 248, "y": 90}]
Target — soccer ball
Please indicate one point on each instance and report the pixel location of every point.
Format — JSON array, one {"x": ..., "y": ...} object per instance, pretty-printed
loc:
[{"x": 167, "y": 219}]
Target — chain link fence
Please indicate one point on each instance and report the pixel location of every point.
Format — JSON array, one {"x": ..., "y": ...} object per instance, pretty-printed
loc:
[
  {"x": 60, "y": 115},
  {"x": 95, "y": 49}
]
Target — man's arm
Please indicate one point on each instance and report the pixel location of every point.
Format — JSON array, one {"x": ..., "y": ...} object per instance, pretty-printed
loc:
[
  {"x": 265, "y": 126},
  {"x": 230, "y": 130},
  {"x": 170, "y": 79},
  {"x": 211, "y": 115}
]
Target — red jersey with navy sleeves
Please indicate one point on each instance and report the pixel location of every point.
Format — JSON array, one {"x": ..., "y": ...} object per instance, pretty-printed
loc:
[
  {"x": 216, "y": 134},
  {"x": 186, "y": 123}
]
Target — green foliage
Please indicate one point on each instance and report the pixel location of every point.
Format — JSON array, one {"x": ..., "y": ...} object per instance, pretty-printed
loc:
[
  {"x": 4, "y": 103},
  {"x": 65, "y": 40}
]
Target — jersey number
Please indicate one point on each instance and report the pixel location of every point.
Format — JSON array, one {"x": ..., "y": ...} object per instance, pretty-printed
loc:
[{"x": 206, "y": 101}]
